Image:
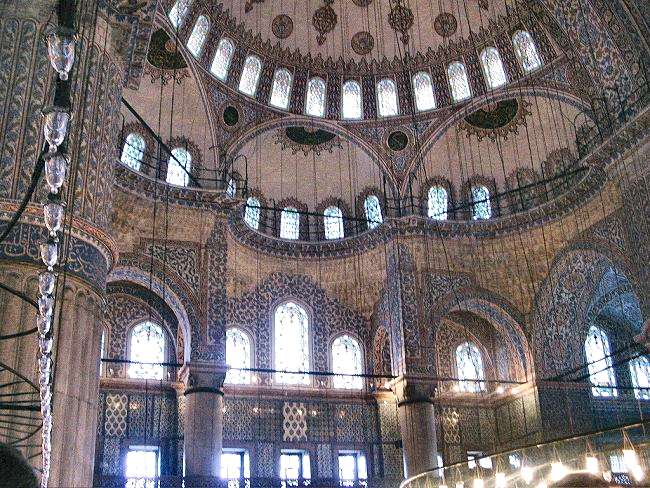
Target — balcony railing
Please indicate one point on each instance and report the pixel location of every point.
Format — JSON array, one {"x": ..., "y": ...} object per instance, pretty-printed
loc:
[{"x": 211, "y": 482}]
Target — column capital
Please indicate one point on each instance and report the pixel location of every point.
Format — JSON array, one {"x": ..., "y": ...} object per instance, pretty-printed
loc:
[
  {"x": 202, "y": 377},
  {"x": 411, "y": 389}
]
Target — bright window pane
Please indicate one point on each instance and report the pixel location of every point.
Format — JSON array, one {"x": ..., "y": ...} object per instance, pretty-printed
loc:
[
  {"x": 197, "y": 37},
  {"x": 102, "y": 351},
  {"x": 222, "y": 58},
  {"x": 493, "y": 68},
  {"x": 231, "y": 189},
  {"x": 281, "y": 89},
  {"x": 387, "y": 98},
  {"x": 238, "y": 355},
  {"x": 423, "y": 88},
  {"x": 291, "y": 327},
  {"x": 133, "y": 151},
  {"x": 351, "y": 93},
  {"x": 235, "y": 464},
  {"x": 147, "y": 346},
  {"x": 437, "y": 203},
  {"x": 252, "y": 213},
  {"x": 640, "y": 373},
  {"x": 333, "y": 221},
  {"x": 178, "y": 12},
  {"x": 250, "y": 75},
  {"x": 458, "y": 82},
  {"x": 481, "y": 208},
  {"x": 470, "y": 368},
  {"x": 599, "y": 364},
  {"x": 141, "y": 463},
  {"x": 179, "y": 167},
  {"x": 526, "y": 51},
  {"x": 290, "y": 224},
  {"x": 315, "y": 101},
  {"x": 372, "y": 209},
  {"x": 346, "y": 359}
]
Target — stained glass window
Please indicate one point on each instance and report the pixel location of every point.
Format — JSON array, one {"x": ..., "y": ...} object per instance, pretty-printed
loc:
[
  {"x": 599, "y": 363},
  {"x": 495, "y": 76},
  {"x": 437, "y": 203},
  {"x": 640, "y": 373},
  {"x": 346, "y": 360},
  {"x": 290, "y": 223},
  {"x": 352, "y": 105},
  {"x": 333, "y": 221},
  {"x": 315, "y": 101},
  {"x": 179, "y": 167},
  {"x": 387, "y": 98},
  {"x": 458, "y": 82},
  {"x": 238, "y": 355},
  {"x": 147, "y": 345},
  {"x": 291, "y": 332},
  {"x": 197, "y": 37},
  {"x": 470, "y": 368},
  {"x": 281, "y": 88},
  {"x": 481, "y": 207},
  {"x": 133, "y": 151},
  {"x": 178, "y": 12},
  {"x": 250, "y": 75},
  {"x": 423, "y": 88},
  {"x": 252, "y": 213},
  {"x": 222, "y": 58},
  {"x": 372, "y": 209},
  {"x": 231, "y": 189},
  {"x": 526, "y": 51}
]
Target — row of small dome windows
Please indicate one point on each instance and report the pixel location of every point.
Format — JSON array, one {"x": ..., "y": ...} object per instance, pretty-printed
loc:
[
  {"x": 352, "y": 105},
  {"x": 437, "y": 207}
]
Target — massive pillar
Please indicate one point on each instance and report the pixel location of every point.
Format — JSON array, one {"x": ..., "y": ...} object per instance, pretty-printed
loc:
[
  {"x": 416, "y": 418},
  {"x": 203, "y": 435}
]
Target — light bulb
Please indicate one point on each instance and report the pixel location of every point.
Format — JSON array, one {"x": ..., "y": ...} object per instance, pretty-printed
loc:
[
  {"x": 500, "y": 390},
  {"x": 558, "y": 471},
  {"x": 591, "y": 464},
  {"x": 500, "y": 480},
  {"x": 60, "y": 51},
  {"x": 43, "y": 324},
  {"x": 478, "y": 483},
  {"x": 53, "y": 212},
  {"x": 527, "y": 474},
  {"x": 45, "y": 364},
  {"x": 56, "y": 126},
  {"x": 46, "y": 281},
  {"x": 46, "y": 394},
  {"x": 45, "y": 305},
  {"x": 541, "y": 485},
  {"x": 49, "y": 253},
  {"x": 55, "y": 168},
  {"x": 637, "y": 473},
  {"x": 45, "y": 344},
  {"x": 630, "y": 458},
  {"x": 460, "y": 484}
]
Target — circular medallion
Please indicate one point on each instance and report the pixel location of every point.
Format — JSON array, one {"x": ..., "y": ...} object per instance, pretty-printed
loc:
[
  {"x": 400, "y": 18},
  {"x": 363, "y": 42},
  {"x": 397, "y": 140},
  {"x": 282, "y": 26},
  {"x": 445, "y": 24},
  {"x": 324, "y": 20},
  {"x": 362, "y": 3},
  {"x": 230, "y": 116}
]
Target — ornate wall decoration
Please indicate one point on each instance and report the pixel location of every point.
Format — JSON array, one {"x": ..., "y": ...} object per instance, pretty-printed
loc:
[
  {"x": 294, "y": 424},
  {"x": 496, "y": 120},
  {"x": 164, "y": 60},
  {"x": 306, "y": 140},
  {"x": 362, "y": 3},
  {"x": 445, "y": 24},
  {"x": 282, "y": 26},
  {"x": 250, "y": 4},
  {"x": 363, "y": 43},
  {"x": 401, "y": 19},
  {"x": 324, "y": 20}
]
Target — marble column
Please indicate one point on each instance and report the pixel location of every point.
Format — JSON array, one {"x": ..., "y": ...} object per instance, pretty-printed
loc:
[
  {"x": 203, "y": 435},
  {"x": 416, "y": 418}
]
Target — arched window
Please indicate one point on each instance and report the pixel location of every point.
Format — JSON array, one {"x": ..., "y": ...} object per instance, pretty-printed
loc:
[
  {"x": 252, "y": 213},
  {"x": 351, "y": 98},
  {"x": 333, "y": 221},
  {"x": 640, "y": 373},
  {"x": 599, "y": 363},
  {"x": 470, "y": 368},
  {"x": 197, "y": 37},
  {"x": 103, "y": 350},
  {"x": 147, "y": 345},
  {"x": 481, "y": 207},
  {"x": 423, "y": 88},
  {"x": 291, "y": 346},
  {"x": 315, "y": 101},
  {"x": 281, "y": 88},
  {"x": 526, "y": 51},
  {"x": 372, "y": 209},
  {"x": 437, "y": 203},
  {"x": 290, "y": 223},
  {"x": 387, "y": 98},
  {"x": 346, "y": 360},
  {"x": 231, "y": 189},
  {"x": 178, "y": 12},
  {"x": 238, "y": 355},
  {"x": 250, "y": 75},
  {"x": 133, "y": 151},
  {"x": 179, "y": 167},
  {"x": 495, "y": 76},
  {"x": 458, "y": 82},
  {"x": 222, "y": 57}
]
